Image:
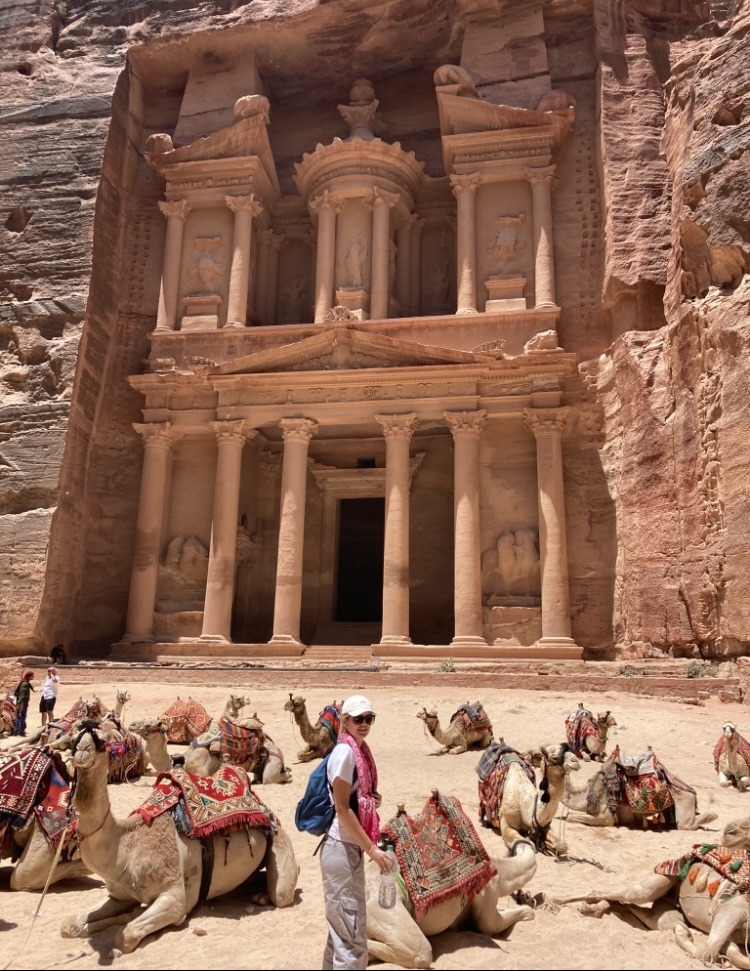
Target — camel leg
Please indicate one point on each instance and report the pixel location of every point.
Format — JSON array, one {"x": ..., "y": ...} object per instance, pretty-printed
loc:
[
  {"x": 648, "y": 891},
  {"x": 458, "y": 749},
  {"x": 393, "y": 937},
  {"x": 491, "y": 921},
  {"x": 728, "y": 917},
  {"x": 724, "y": 780},
  {"x": 111, "y": 911},
  {"x": 282, "y": 869},
  {"x": 169, "y": 908},
  {"x": 509, "y": 833},
  {"x": 583, "y": 819}
]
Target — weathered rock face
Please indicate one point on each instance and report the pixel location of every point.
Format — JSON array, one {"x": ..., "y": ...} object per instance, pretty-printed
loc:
[{"x": 650, "y": 261}]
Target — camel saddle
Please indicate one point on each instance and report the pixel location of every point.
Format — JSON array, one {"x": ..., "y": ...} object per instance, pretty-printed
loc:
[
  {"x": 34, "y": 782},
  {"x": 580, "y": 725},
  {"x": 241, "y": 744},
  {"x": 9, "y": 709},
  {"x": 185, "y": 720},
  {"x": 492, "y": 770},
  {"x": 645, "y": 783},
  {"x": 730, "y": 863},
  {"x": 473, "y": 716},
  {"x": 743, "y": 750},
  {"x": 330, "y": 718}
]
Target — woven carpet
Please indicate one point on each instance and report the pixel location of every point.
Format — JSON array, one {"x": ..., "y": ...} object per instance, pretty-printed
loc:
[
  {"x": 9, "y": 709},
  {"x": 743, "y": 750},
  {"x": 439, "y": 854},
  {"x": 730, "y": 863},
  {"x": 21, "y": 778},
  {"x": 646, "y": 794},
  {"x": 211, "y": 803},
  {"x": 126, "y": 758},
  {"x": 240, "y": 744},
  {"x": 52, "y": 809},
  {"x": 185, "y": 720},
  {"x": 474, "y": 717},
  {"x": 330, "y": 718},
  {"x": 493, "y": 770},
  {"x": 580, "y": 725}
]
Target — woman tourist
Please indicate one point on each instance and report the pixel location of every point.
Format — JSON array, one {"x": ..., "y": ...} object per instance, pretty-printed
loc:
[
  {"x": 48, "y": 697},
  {"x": 353, "y": 835}
]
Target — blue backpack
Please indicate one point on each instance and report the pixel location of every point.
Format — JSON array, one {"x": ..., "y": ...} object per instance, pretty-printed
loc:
[{"x": 315, "y": 813}]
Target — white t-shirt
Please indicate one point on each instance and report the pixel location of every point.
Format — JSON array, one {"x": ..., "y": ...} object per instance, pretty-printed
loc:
[
  {"x": 50, "y": 686},
  {"x": 341, "y": 765}
]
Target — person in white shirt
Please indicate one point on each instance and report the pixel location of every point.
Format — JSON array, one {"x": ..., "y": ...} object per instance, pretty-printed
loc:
[
  {"x": 353, "y": 835},
  {"x": 48, "y": 697}
]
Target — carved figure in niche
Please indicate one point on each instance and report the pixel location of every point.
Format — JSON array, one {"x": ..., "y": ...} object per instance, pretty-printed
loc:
[
  {"x": 206, "y": 269},
  {"x": 505, "y": 241},
  {"x": 354, "y": 264},
  {"x": 517, "y": 563}
]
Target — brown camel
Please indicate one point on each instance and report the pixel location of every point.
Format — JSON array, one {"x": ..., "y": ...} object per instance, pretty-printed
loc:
[
  {"x": 265, "y": 763},
  {"x": 468, "y": 727},
  {"x": 158, "y": 867},
  {"x": 154, "y": 735},
  {"x": 587, "y": 733},
  {"x": 319, "y": 737}
]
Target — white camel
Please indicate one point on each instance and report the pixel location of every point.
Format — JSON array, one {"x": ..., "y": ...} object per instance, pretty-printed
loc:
[
  {"x": 731, "y": 755},
  {"x": 158, "y": 867}
]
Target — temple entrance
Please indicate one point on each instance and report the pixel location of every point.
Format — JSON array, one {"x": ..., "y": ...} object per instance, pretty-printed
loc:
[{"x": 359, "y": 583}]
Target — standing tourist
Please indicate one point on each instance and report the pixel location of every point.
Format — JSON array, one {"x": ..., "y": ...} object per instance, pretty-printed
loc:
[
  {"x": 353, "y": 835},
  {"x": 23, "y": 696},
  {"x": 49, "y": 694}
]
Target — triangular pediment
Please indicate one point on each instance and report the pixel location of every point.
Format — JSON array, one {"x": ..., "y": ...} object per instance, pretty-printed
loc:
[{"x": 345, "y": 348}]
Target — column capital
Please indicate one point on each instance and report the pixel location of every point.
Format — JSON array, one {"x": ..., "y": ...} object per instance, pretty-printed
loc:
[
  {"x": 298, "y": 429},
  {"x": 244, "y": 204},
  {"x": 236, "y": 432},
  {"x": 158, "y": 434},
  {"x": 546, "y": 421},
  {"x": 325, "y": 200},
  {"x": 539, "y": 174},
  {"x": 470, "y": 181},
  {"x": 397, "y": 426},
  {"x": 381, "y": 197},
  {"x": 176, "y": 209},
  {"x": 466, "y": 424}
]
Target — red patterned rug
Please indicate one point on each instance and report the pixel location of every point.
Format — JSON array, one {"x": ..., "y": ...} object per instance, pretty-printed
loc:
[
  {"x": 241, "y": 745},
  {"x": 127, "y": 759},
  {"x": 646, "y": 795},
  {"x": 330, "y": 718},
  {"x": 22, "y": 776},
  {"x": 52, "y": 810},
  {"x": 474, "y": 717},
  {"x": 212, "y": 803},
  {"x": 185, "y": 720},
  {"x": 730, "y": 863},
  {"x": 580, "y": 725},
  {"x": 439, "y": 854},
  {"x": 9, "y": 709},
  {"x": 493, "y": 770}
]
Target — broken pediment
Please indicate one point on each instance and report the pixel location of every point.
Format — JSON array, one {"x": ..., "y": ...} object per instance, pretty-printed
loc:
[{"x": 343, "y": 347}]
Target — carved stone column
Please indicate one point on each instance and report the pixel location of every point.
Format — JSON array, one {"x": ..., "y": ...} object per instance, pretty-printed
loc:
[
  {"x": 381, "y": 205},
  {"x": 465, "y": 189},
  {"x": 297, "y": 433},
  {"x": 397, "y": 430},
  {"x": 176, "y": 213},
  {"x": 244, "y": 208},
  {"x": 544, "y": 257},
  {"x": 403, "y": 265},
  {"x": 466, "y": 428},
  {"x": 157, "y": 442},
  {"x": 415, "y": 289},
  {"x": 327, "y": 207},
  {"x": 547, "y": 425},
  {"x": 268, "y": 282},
  {"x": 217, "y": 611}
]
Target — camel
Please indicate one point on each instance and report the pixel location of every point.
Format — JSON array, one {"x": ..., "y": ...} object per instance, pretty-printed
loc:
[
  {"x": 397, "y": 937},
  {"x": 587, "y": 734},
  {"x": 60, "y": 726},
  {"x": 732, "y": 758},
  {"x": 32, "y": 847},
  {"x": 266, "y": 765},
  {"x": 8, "y": 712},
  {"x": 154, "y": 865},
  {"x": 705, "y": 889},
  {"x": 319, "y": 737},
  {"x": 508, "y": 796},
  {"x": 655, "y": 797},
  {"x": 468, "y": 726},
  {"x": 154, "y": 735},
  {"x": 181, "y": 729}
]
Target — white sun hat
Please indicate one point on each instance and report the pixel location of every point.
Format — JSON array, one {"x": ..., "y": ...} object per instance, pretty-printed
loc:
[{"x": 356, "y": 705}]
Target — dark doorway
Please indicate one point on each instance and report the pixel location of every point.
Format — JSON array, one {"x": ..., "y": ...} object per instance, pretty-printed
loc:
[{"x": 359, "y": 586}]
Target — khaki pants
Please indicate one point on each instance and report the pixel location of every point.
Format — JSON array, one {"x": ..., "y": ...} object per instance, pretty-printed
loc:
[{"x": 343, "y": 869}]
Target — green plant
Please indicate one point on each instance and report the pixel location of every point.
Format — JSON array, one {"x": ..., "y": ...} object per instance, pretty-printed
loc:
[
  {"x": 699, "y": 669},
  {"x": 447, "y": 666}
]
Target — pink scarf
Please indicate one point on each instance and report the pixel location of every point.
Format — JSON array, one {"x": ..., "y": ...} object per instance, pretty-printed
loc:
[{"x": 367, "y": 783}]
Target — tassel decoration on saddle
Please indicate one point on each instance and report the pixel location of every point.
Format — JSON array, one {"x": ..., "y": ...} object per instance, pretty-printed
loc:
[{"x": 544, "y": 789}]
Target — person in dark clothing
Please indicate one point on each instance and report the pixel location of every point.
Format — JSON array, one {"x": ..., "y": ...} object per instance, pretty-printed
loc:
[
  {"x": 23, "y": 695},
  {"x": 57, "y": 654}
]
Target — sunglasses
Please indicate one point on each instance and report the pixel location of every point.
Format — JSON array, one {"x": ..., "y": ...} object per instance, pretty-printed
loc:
[{"x": 363, "y": 719}]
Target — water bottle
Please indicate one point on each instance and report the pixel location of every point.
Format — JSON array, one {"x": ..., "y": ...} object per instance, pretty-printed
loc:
[{"x": 388, "y": 891}]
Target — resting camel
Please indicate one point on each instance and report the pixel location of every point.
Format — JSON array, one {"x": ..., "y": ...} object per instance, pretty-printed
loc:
[
  {"x": 509, "y": 799},
  {"x": 319, "y": 737},
  {"x": 31, "y": 847},
  {"x": 61, "y": 726},
  {"x": 181, "y": 729},
  {"x": 155, "y": 865},
  {"x": 154, "y": 735},
  {"x": 732, "y": 758},
  {"x": 705, "y": 889},
  {"x": 8, "y": 712},
  {"x": 468, "y": 726},
  {"x": 587, "y": 733},
  {"x": 396, "y": 937},
  {"x": 205, "y": 757},
  {"x": 654, "y": 797}
]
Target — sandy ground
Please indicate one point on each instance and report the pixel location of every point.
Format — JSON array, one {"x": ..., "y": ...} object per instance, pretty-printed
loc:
[{"x": 232, "y": 933}]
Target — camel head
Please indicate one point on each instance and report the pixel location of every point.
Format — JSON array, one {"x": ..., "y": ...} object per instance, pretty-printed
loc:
[
  {"x": 295, "y": 703},
  {"x": 560, "y": 755},
  {"x": 123, "y": 696},
  {"x": 89, "y": 742},
  {"x": 605, "y": 720},
  {"x": 428, "y": 717},
  {"x": 729, "y": 730},
  {"x": 737, "y": 833},
  {"x": 146, "y": 727},
  {"x": 237, "y": 703}
]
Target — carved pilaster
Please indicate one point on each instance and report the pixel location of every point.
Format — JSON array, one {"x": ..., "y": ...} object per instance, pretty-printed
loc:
[
  {"x": 245, "y": 208},
  {"x": 176, "y": 213},
  {"x": 327, "y": 206},
  {"x": 542, "y": 180},
  {"x": 464, "y": 189}
]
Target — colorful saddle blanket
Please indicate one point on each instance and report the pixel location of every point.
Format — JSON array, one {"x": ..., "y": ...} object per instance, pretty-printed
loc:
[
  {"x": 185, "y": 720},
  {"x": 330, "y": 718},
  {"x": 126, "y": 758},
  {"x": 729, "y": 863},
  {"x": 474, "y": 717},
  {"x": 580, "y": 725},
  {"x": 493, "y": 770},
  {"x": 205, "y": 805},
  {"x": 645, "y": 783},
  {"x": 22, "y": 777},
  {"x": 53, "y": 810},
  {"x": 240, "y": 744},
  {"x": 439, "y": 854},
  {"x": 743, "y": 750},
  {"x": 9, "y": 709}
]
